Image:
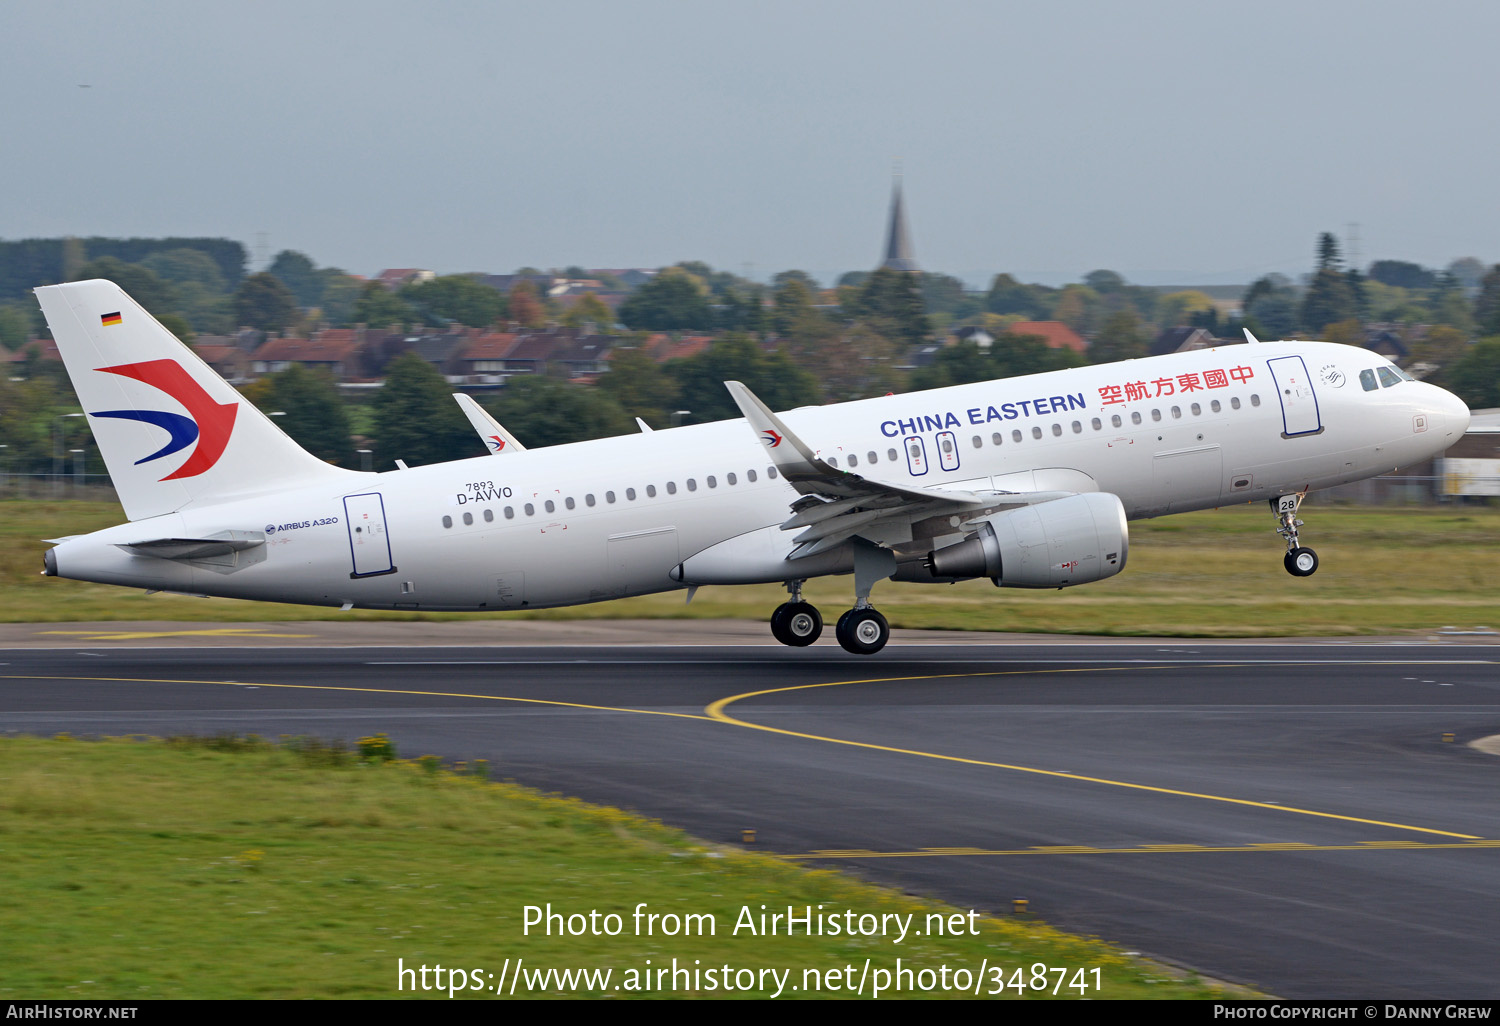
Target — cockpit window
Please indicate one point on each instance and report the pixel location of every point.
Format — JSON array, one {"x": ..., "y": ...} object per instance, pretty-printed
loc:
[
  {"x": 1403, "y": 375},
  {"x": 1367, "y": 380},
  {"x": 1387, "y": 376}
]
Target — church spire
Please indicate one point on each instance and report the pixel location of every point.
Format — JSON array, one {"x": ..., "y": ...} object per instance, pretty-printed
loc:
[{"x": 898, "y": 251}]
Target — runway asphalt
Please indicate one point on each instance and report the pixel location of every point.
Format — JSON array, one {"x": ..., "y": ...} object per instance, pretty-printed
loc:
[{"x": 1287, "y": 815}]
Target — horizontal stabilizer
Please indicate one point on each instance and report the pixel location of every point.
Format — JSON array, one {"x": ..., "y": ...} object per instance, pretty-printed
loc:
[{"x": 221, "y": 544}]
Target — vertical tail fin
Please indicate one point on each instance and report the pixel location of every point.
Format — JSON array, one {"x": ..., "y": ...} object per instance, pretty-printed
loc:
[{"x": 136, "y": 381}]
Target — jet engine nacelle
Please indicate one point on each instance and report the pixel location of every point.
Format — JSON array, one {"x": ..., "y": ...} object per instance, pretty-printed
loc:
[{"x": 1074, "y": 540}]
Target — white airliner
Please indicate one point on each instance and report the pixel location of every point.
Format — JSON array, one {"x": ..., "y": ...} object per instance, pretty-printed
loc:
[{"x": 1027, "y": 481}]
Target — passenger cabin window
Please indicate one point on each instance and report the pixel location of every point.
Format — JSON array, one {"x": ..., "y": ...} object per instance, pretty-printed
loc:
[
  {"x": 447, "y": 521},
  {"x": 872, "y": 457},
  {"x": 510, "y": 512},
  {"x": 671, "y": 487},
  {"x": 978, "y": 442},
  {"x": 728, "y": 477},
  {"x": 630, "y": 494},
  {"x": 1115, "y": 421},
  {"x": 750, "y": 476},
  {"x": 1015, "y": 436},
  {"x": 551, "y": 506},
  {"x": 568, "y": 502},
  {"x": 468, "y": 519},
  {"x": 1255, "y": 399},
  {"x": 651, "y": 491},
  {"x": 588, "y": 500},
  {"x": 609, "y": 497},
  {"x": 530, "y": 510},
  {"x": 996, "y": 438},
  {"x": 489, "y": 516}
]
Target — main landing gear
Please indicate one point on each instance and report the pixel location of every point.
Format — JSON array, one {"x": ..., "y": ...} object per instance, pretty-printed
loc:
[
  {"x": 1299, "y": 561},
  {"x": 861, "y": 630}
]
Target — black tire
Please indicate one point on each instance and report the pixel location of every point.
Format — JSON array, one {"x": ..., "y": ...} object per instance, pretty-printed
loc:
[
  {"x": 863, "y": 631},
  {"x": 1301, "y": 562},
  {"x": 804, "y": 624},
  {"x": 797, "y": 624}
]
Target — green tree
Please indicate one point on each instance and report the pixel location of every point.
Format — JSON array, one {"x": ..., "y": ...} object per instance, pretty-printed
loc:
[
  {"x": 15, "y": 326},
  {"x": 1487, "y": 305},
  {"x": 1331, "y": 296},
  {"x": 299, "y": 274},
  {"x": 639, "y": 386},
  {"x": 891, "y": 303},
  {"x": 188, "y": 267},
  {"x": 455, "y": 297},
  {"x": 589, "y": 309},
  {"x": 314, "y": 412},
  {"x": 379, "y": 307},
  {"x": 157, "y": 296},
  {"x": 1080, "y": 308},
  {"x": 1008, "y": 296},
  {"x": 735, "y": 357},
  {"x": 264, "y": 303},
  {"x": 1441, "y": 348},
  {"x": 416, "y": 419},
  {"x": 341, "y": 294},
  {"x": 1121, "y": 338},
  {"x": 544, "y": 411},
  {"x": 671, "y": 301},
  {"x": 1475, "y": 377}
]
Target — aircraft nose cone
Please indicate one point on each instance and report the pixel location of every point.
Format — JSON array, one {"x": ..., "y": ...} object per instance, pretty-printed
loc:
[{"x": 1451, "y": 414}]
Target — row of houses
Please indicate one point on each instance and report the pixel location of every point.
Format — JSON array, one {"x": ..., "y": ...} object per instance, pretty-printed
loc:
[
  {"x": 472, "y": 357},
  {"x": 484, "y": 358}
]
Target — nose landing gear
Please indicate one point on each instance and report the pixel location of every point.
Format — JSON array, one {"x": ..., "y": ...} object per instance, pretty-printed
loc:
[{"x": 1299, "y": 561}]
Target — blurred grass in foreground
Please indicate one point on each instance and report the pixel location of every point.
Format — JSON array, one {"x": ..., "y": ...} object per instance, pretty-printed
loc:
[{"x": 233, "y": 868}]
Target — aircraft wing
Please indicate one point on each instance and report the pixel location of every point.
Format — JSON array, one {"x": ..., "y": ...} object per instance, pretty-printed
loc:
[
  {"x": 499, "y": 441},
  {"x": 836, "y": 505}
]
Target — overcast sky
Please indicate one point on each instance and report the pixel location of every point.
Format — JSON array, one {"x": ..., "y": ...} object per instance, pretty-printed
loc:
[{"x": 1188, "y": 141}]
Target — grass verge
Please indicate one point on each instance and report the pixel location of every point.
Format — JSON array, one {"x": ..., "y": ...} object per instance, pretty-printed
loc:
[
  {"x": 234, "y": 868},
  {"x": 1217, "y": 573}
]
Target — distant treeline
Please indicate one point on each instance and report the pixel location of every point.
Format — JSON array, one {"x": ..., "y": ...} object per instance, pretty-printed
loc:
[{"x": 27, "y": 263}]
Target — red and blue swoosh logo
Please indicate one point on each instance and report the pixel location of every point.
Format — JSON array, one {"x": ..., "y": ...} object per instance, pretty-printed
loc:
[{"x": 208, "y": 423}]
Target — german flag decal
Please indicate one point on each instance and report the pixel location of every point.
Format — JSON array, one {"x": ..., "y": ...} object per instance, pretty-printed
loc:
[{"x": 109, "y": 319}]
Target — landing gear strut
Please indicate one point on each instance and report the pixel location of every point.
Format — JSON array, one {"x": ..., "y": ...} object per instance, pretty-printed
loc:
[
  {"x": 1299, "y": 561},
  {"x": 861, "y": 630},
  {"x": 796, "y": 623}
]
